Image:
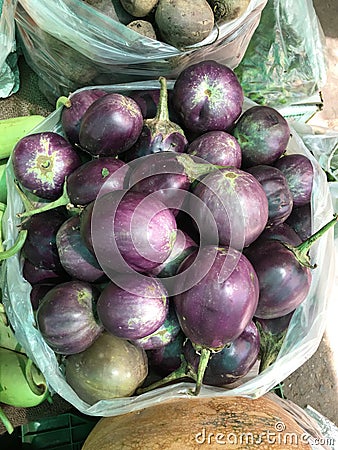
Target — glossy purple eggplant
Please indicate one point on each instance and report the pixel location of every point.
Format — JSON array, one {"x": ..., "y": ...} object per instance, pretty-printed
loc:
[
  {"x": 300, "y": 220},
  {"x": 66, "y": 317},
  {"x": 281, "y": 232},
  {"x": 84, "y": 184},
  {"x": 136, "y": 309},
  {"x": 163, "y": 335},
  {"x": 165, "y": 360},
  {"x": 217, "y": 147},
  {"x": 237, "y": 203},
  {"x": 163, "y": 174},
  {"x": 284, "y": 273},
  {"x": 40, "y": 246},
  {"x": 275, "y": 186},
  {"x": 34, "y": 274},
  {"x": 42, "y": 161},
  {"x": 299, "y": 173},
  {"x": 233, "y": 362},
  {"x": 73, "y": 109},
  {"x": 75, "y": 257},
  {"x": 159, "y": 134},
  {"x": 184, "y": 245},
  {"x": 111, "y": 125},
  {"x": 218, "y": 307},
  {"x": 263, "y": 134},
  {"x": 131, "y": 230},
  {"x": 207, "y": 96}
]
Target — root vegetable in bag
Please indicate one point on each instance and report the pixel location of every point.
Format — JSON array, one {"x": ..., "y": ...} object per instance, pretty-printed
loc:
[{"x": 184, "y": 22}]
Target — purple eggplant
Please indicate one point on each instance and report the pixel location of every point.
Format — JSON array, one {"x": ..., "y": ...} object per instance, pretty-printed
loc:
[
  {"x": 35, "y": 274},
  {"x": 163, "y": 335},
  {"x": 75, "y": 257},
  {"x": 272, "y": 334},
  {"x": 42, "y": 161},
  {"x": 130, "y": 230},
  {"x": 40, "y": 246},
  {"x": 133, "y": 308},
  {"x": 233, "y": 362},
  {"x": 275, "y": 186},
  {"x": 281, "y": 232},
  {"x": 217, "y": 147},
  {"x": 300, "y": 220},
  {"x": 263, "y": 134},
  {"x": 147, "y": 100},
  {"x": 66, "y": 317},
  {"x": 37, "y": 293},
  {"x": 182, "y": 248},
  {"x": 111, "y": 125},
  {"x": 284, "y": 273},
  {"x": 73, "y": 110},
  {"x": 163, "y": 174},
  {"x": 166, "y": 359},
  {"x": 159, "y": 134},
  {"x": 216, "y": 309},
  {"x": 84, "y": 184},
  {"x": 299, "y": 173},
  {"x": 233, "y": 201},
  {"x": 207, "y": 96}
]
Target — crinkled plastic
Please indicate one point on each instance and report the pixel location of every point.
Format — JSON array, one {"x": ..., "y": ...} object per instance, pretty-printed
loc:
[
  {"x": 9, "y": 79},
  {"x": 69, "y": 44},
  {"x": 285, "y": 60},
  {"x": 302, "y": 339}
]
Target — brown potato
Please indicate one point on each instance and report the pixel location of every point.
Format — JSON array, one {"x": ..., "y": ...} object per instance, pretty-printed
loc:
[
  {"x": 226, "y": 10},
  {"x": 143, "y": 27},
  {"x": 184, "y": 22},
  {"x": 139, "y": 8}
]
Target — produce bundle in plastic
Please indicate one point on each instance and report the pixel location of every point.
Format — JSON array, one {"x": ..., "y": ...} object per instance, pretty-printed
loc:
[
  {"x": 177, "y": 316},
  {"x": 9, "y": 77},
  {"x": 73, "y": 43},
  {"x": 285, "y": 60}
]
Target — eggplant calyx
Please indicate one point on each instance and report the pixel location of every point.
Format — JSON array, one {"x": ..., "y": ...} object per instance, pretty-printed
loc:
[
  {"x": 64, "y": 200},
  {"x": 301, "y": 251},
  {"x": 63, "y": 101},
  {"x": 183, "y": 371},
  {"x": 161, "y": 123},
  {"x": 195, "y": 170},
  {"x": 270, "y": 345}
]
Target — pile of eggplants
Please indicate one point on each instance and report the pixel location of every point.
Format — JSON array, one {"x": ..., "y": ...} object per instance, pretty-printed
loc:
[{"x": 158, "y": 243}]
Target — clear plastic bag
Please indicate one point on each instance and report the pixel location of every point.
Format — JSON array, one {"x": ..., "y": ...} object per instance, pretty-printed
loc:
[
  {"x": 9, "y": 80},
  {"x": 69, "y": 44},
  {"x": 302, "y": 339},
  {"x": 285, "y": 61}
]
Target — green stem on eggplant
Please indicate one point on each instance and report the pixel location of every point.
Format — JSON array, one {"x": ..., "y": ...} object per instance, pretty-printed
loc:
[
  {"x": 202, "y": 365},
  {"x": 183, "y": 371},
  {"x": 63, "y": 101},
  {"x": 270, "y": 345},
  {"x": 61, "y": 201},
  {"x": 16, "y": 247},
  {"x": 162, "y": 113},
  {"x": 195, "y": 170},
  {"x": 6, "y": 422},
  {"x": 301, "y": 251}
]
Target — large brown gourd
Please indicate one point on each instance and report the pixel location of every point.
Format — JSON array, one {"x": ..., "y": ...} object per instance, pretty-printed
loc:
[{"x": 233, "y": 423}]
